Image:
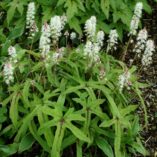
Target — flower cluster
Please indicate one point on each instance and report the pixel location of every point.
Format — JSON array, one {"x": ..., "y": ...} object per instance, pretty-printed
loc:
[
  {"x": 91, "y": 51},
  {"x": 141, "y": 41},
  {"x": 100, "y": 38},
  {"x": 8, "y": 72},
  {"x": 136, "y": 18},
  {"x": 113, "y": 40},
  {"x": 30, "y": 20},
  {"x": 73, "y": 35},
  {"x": 90, "y": 27},
  {"x": 57, "y": 24},
  {"x": 94, "y": 41},
  {"x": 147, "y": 56},
  {"x": 55, "y": 57},
  {"x": 12, "y": 53},
  {"x": 124, "y": 80},
  {"x": 44, "y": 44}
]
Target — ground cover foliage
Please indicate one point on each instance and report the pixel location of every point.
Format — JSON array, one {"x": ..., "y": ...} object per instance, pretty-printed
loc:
[{"x": 61, "y": 92}]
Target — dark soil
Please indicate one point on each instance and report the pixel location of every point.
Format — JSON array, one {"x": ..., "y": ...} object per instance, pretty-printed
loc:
[{"x": 150, "y": 94}]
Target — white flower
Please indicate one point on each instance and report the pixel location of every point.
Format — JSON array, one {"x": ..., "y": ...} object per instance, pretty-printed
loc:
[
  {"x": 44, "y": 44},
  {"x": 72, "y": 35},
  {"x": 136, "y": 18},
  {"x": 63, "y": 21},
  {"x": 91, "y": 51},
  {"x": 57, "y": 24},
  {"x": 8, "y": 73},
  {"x": 55, "y": 57},
  {"x": 90, "y": 27},
  {"x": 12, "y": 53},
  {"x": 33, "y": 30},
  {"x": 147, "y": 56},
  {"x": 88, "y": 49},
  {"x": 100, "y": 38},
  {"x": 30, "y": 20},
  {"x": 30, "y": 15},
  {"x": 124, "y": 80},
  {"x": 58, "y": 55},
  {"x": 113, "y": 37},
  {"x": 138, "y": 9},
  {"x": 141, "y": 41}
]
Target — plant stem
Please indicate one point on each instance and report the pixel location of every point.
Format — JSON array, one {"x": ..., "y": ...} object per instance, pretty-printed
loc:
[{"x": 126, "y": 49}]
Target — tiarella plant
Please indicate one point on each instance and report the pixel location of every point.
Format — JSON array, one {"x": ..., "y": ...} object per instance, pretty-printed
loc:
[
  {"x": 17, "y": 15},
  {"x": 71, "y": 98}
]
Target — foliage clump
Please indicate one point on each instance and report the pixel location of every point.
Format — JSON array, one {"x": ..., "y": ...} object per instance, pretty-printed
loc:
[{"x": 61, "y": 96}]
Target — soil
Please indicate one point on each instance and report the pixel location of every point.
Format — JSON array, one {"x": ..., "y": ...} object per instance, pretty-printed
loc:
[{"x": 150, "y": 94}]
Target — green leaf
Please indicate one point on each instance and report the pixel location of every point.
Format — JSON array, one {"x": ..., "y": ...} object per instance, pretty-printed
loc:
[
  {"x": 77, "y": 132},
  {"x": 47, "y": 125},
  {"x": 107, "y": 123},
  {"x": 25, "y": 93},
  {"x": 45, "y": 2},
  {"x": 59, "y": 134},
  {"x": 8, "y": 150},
  {"x": 16, "y": 32},
  {"x": 37, "y": 66},
  {"x": 68, "y": 141},
  {"x": 43, "y": 143},
  {"x": 128, "y": 109},
  {"x": 11, "y": 11},
  {"x": 26, "y": 121},
  {"x": 14, "y": 109},
  {"x": 75, "y": 24},
  {"x": 139, "y": 147},
  {"x": 20, "y": 7},
  {"x": 39, "y": 87},
  {"x": 5, "y": 46},
  {"x": 72, "y": 9},
  {"x": 104, "y": 146},
  {"x": 26, "y": 143},
  {"x": 105, "y": 6},
  {"x": 117, "y": 140},
  {"x": 135, "y": 126},
  {"x": 60, "y": 2}
]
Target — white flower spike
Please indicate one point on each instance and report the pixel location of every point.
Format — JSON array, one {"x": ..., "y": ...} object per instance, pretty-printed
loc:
[
  {"x": 44, "y": 44},
  {"x": 12, "y": 53},
  {"x": 113, "y": 40},
  {"x": 90, "y": 28},
  {"x": 136, "y": 18},
  {"x": 141, "y": 42},
  {"x": 8, "y": 73},
  {"x": 148, "y": 53}
]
